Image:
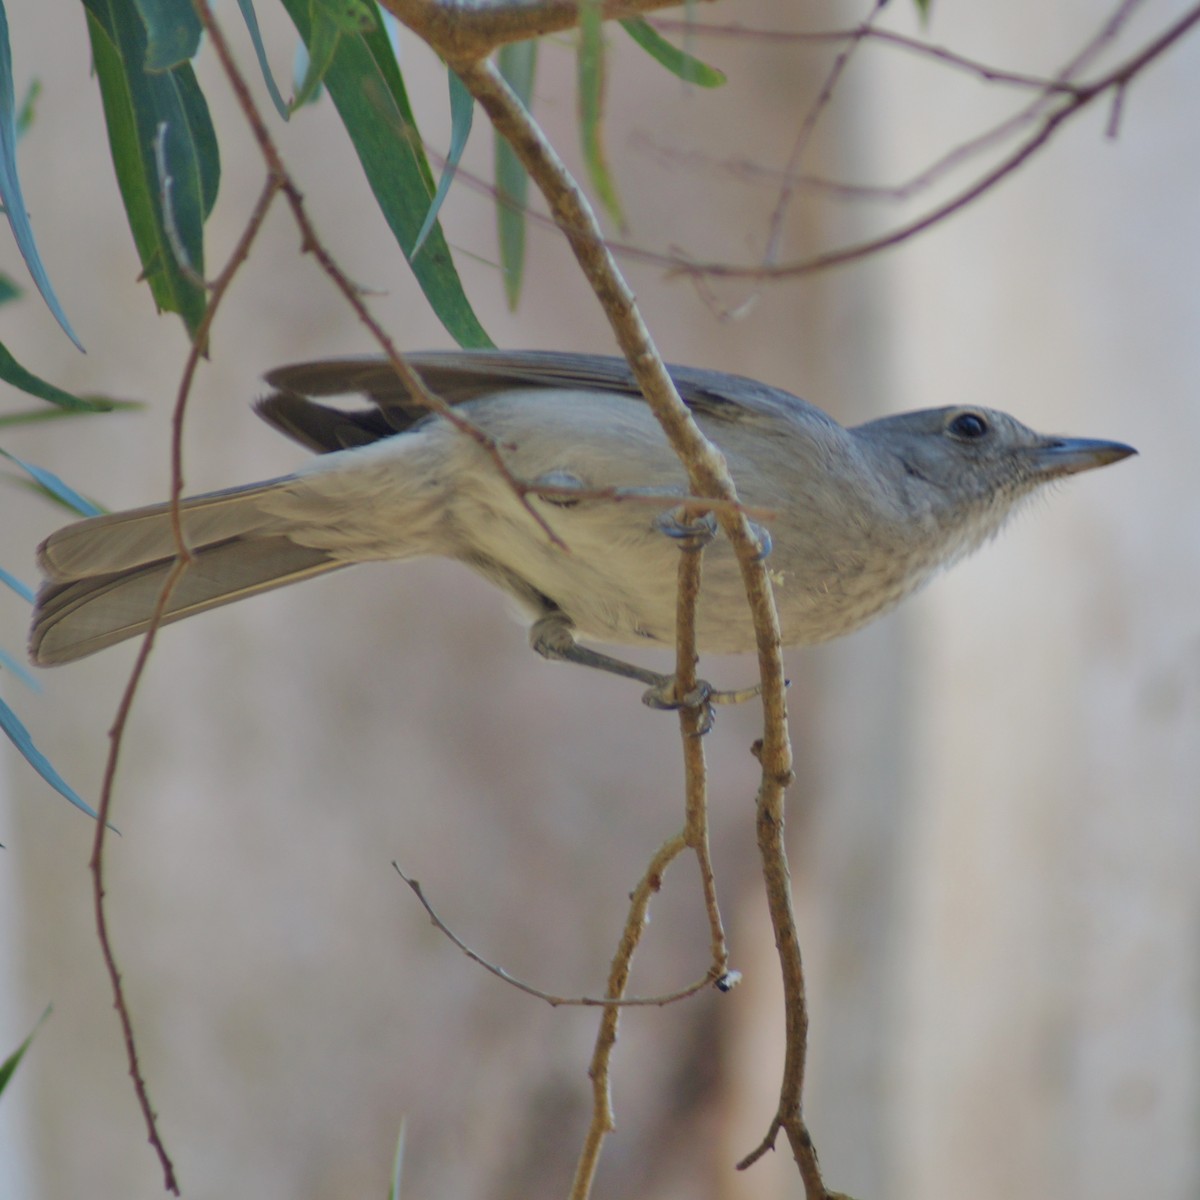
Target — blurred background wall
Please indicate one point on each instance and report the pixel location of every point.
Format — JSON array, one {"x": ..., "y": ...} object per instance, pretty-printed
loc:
[{"x": 995, "y": 822}]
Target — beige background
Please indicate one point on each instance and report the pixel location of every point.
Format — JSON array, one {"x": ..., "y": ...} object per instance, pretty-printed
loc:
[{"x": 994, "y": 827}]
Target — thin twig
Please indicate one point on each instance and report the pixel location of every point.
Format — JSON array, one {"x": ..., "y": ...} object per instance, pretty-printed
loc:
[
  {"x": 804, "y": 134},
  {"x": 693, "y": 723},
  {"x": 940, "y": 54},
  {"x": 602, "y": 1122},
  {"x": 116, "y": 733},
  {"x": 555, "y": 1001}
]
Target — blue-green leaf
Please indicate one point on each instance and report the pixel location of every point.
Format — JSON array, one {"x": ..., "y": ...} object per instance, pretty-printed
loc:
[
  {"x": 19, "y": 736},
  {"x": 462, "y": 110},
  {"x": 689, "y": 68},
  {"x": 55, "y": 486},
  {"x": 19, "y": 669},
  {"x": 10, "y": 185},
  {"x": 22, "y": 589},
  {"x": 172, "y": 32},
  {"x": 260, "y": 51},
  {"x": 518, "y": 63}
]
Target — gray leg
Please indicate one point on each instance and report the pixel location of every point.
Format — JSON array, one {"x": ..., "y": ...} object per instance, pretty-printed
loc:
[{"x": 553, "y": 637}]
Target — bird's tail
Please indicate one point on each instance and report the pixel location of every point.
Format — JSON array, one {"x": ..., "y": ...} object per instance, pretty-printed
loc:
[{"x": 104, "y": 576}]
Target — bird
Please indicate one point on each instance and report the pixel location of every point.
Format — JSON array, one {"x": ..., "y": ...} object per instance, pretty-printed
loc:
[{"x": 858, "y": 517}]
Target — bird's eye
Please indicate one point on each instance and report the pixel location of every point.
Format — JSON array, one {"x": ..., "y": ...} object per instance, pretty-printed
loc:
[{"x": 970, "y": 426}]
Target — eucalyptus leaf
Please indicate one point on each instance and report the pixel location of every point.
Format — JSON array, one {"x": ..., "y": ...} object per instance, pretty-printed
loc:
[
  {"x": 366, "y": 87},
  {"x": 11, "y": 725},
  {"x": 172, "y": 32},
  {"x": 462, "y": 112},
  {"x": 518, "y": 64},
  {"x": 689, "y": 68},
  {"x": 590, "y": 91},
  {"x": 12, "y": 372},
  {"x": 164, "y": 151},
  {"x": 10, "y": 185}
]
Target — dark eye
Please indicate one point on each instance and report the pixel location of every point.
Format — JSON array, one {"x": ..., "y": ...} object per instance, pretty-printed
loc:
[{"x": 970, "y": 426}]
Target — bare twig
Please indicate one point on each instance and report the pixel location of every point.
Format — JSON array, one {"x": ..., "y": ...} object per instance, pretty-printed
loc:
[
  {"x": 555, "y": 1001},
  {"x": 887, "y": 37},
  {"x": 116, "y": 733},
  {"x": 1116, "y": 80},
  {"x": 602, "y": 1122},
  {"x": 804, "y": 134}
]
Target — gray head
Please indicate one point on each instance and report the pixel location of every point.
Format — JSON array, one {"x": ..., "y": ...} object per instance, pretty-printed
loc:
[{"x": 967, "y": 469}]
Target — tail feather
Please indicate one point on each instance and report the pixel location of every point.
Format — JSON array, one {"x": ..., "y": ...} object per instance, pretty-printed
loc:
[
  {"x": 119, "y": 541},
  {"x": 105, "y": 575}
]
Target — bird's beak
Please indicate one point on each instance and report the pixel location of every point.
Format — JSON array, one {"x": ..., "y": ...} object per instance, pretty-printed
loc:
[{"x": 1069, "y": 456}]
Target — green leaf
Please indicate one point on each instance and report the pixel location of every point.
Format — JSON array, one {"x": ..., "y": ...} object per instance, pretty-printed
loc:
[
  {"x": 350, "y": 16},
  {"x": 11, "y": 725},
  {"x": 10, "y": 1064},
  {"x": 462, "y": 111},
  {"x": 10, "y": 185},
  {"x": 518, "y": 64},
  {"x": 678, "y": 62},
  {"x": 365, "y": 85},
  {"x": 25, "y": 113},
  {"x": 100, "y": 404},
  {"x": 164, "y": 150},
  {"x": 260, "y": 51},
  {"x": 924, "y": 7},
  {"x": 397, "y": 1164},
  {"x": 8, "y": 289},
  {"x": 590, "y": 91},
  {"x": 12, "y": 372},
  {"x": 172, "y": 32}
]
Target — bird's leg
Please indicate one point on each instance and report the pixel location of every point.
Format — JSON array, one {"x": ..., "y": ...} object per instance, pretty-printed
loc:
[{"x": 553, "y": 637}]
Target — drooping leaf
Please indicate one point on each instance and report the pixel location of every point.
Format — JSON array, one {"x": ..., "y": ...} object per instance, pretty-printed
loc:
[
  {"x": 10, "y": 185},
  {"x": 102, "y": 404},
  {"x": 22, "y": 589},
  {"x": 55, "y": 486},
  {"x": 689, "y": 68},
  {"x": 251, "y": 19},
  {"x": 12, "y": 372},
  {"x": 397, "y": 1165},
  {"x": 365, "y": 85},
  {"x": 172, "y": 32},
  {"x": 590, "y": 91},
  {"x": 462, "y": 111},
  {"x": 164, "y": 150},
  {"x": 19, "y": 736},
  {"x": 518, "y": 64},
  {"x": 10, "y": 1064},
  {"x": 8, "y": 663}
]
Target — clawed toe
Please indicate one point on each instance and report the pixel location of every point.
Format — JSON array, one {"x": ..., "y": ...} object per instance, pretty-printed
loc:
[{"x": 692, "y": 533}]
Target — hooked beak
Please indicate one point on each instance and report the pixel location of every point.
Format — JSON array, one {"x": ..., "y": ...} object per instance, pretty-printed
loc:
[{"x": 1069, "y": 456}]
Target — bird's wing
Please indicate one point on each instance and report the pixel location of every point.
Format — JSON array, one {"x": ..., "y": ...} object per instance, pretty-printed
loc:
[{"x": 464, "y": 375}]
